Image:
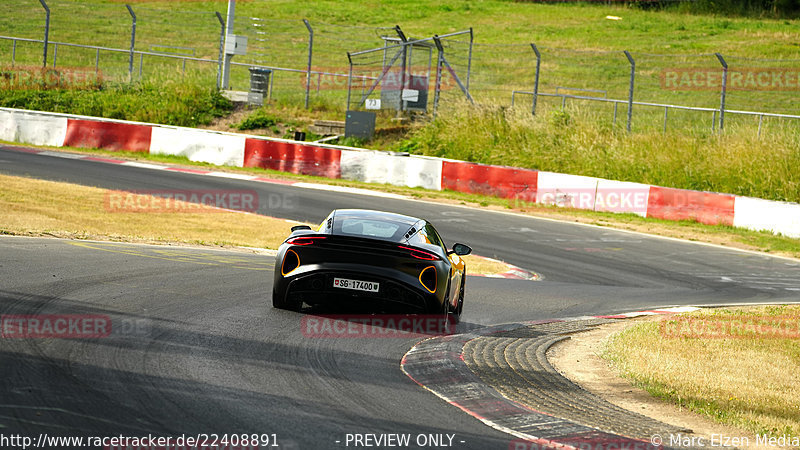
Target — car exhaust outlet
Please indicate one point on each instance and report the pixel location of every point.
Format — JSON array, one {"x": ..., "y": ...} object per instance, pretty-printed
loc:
[
  {"x": 428, "y": 279},
  {"x": 291, "y": 261}
]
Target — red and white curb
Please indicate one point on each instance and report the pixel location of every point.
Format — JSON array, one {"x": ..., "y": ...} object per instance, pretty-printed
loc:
[
  {"x": 437, "y": 365},
  {"x": 512, "y": 273}
]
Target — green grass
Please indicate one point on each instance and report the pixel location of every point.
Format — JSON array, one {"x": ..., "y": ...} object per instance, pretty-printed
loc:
[
  {"x": 180, "y": 102},
  {"x": 571, "y": 141}
]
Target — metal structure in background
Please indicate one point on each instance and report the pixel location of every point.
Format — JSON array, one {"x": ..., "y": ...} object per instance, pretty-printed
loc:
[
  {"x": 724, "y": 89},
  {"x": 536, "y": 82},
  {"x": 630, "y": 89},
  {"x": 310, "y": 55},
  {"x": 403, "y": 49},
  {"x": 221, "y": 48},
  {"x": 402, "y": 52},
  {"x": 226, "y": 64},
  {"x": 133, "y": 40},
  {"x": 46, "y": 31}
]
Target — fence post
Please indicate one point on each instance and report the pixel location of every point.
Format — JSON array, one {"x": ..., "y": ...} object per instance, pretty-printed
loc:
[
  {"x": 403, "y": 66},
  {"x": 226, "y": 67},
  {"x": 439, "y": 61},
  {"x": 469, "y": 60},
  {"x": 46, "y": 31},
  {"x": 724, "y": 90},
  {"x": 221, "y": 47},
  {"x": 536, "y": 83},
  {"x": 133, "y": 41},
  {"x": 630, "y": 89},
  {"x": 310, "y": 54},
  {"x": 349, "y": 80}
]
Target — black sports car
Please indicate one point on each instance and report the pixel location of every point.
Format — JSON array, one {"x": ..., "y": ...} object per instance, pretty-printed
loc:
[{"x": 387, "y": 260}]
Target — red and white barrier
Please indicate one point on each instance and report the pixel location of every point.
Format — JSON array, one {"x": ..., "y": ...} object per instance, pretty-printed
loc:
[
  {"x": 32, "y": 127},
  {"x": 57, "y": 130},
  {"x": 760, "y": 214},
  {"x": 392, "y": 168},
  {"x": 224, "y": 149},
  {"x": 108, "y": 135}
]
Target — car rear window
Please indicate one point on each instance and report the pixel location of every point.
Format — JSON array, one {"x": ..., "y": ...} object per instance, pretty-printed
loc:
[{"x": 377, "y": 229}]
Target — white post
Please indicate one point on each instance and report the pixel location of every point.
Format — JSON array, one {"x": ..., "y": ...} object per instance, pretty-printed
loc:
[{"x": 226, "y": 68}]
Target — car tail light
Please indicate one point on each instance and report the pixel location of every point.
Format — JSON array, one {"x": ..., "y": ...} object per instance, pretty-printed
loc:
[
  {"x": 290, "y": 262},
  {"x": 428, "y": 279},
  {"x": 421, "y": 254},
  {"x": 305, "y": 240}
]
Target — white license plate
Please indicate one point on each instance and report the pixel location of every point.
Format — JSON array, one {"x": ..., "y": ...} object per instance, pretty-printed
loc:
[{"x": 345, "y": 283}]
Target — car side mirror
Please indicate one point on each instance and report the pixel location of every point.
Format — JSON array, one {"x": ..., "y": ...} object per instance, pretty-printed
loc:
[
  {"x": 300, "y": 227},
  {"x": 461, "y": 249}
]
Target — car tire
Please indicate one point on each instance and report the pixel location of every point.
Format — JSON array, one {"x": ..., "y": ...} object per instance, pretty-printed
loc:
[
  {"x": 281, "y": 302},
  {"x": 455, "y": 315}
]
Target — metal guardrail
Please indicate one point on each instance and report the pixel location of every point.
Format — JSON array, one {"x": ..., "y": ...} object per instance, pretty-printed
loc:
[{"x": 667, "y": 107}]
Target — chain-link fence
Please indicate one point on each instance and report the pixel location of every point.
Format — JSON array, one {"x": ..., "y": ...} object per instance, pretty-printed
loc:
[
  {"x": 309, "y": 65},
  {"x": 409, "y": 74}
]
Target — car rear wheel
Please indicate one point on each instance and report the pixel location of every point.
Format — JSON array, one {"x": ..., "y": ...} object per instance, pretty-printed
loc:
[
  {"x": 283, "y": 302},
  {"x": 455, "y": 315}
]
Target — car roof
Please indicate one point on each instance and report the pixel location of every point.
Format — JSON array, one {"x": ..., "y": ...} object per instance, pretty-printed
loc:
[{"x": 375, "y": 215}]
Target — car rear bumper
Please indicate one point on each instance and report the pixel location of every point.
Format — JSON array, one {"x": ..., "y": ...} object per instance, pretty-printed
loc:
[{"x": 397, "y": 290}]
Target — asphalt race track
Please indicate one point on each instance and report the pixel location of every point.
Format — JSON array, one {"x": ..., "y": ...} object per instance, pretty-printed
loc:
[{"x": 200, "y": 350}]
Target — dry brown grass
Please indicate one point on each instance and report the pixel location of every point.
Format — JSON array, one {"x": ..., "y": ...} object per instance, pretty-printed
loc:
[
  {"x": 736, "y": 377},
  {"x": 36, "y": 207}
]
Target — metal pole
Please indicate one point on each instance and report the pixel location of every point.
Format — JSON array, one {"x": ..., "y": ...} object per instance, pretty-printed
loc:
[
  {"x": 403, "y": 64},
  {"x": 133, "y": 41},
  {"x": 46, "y": 31},
  {"x": 14, "y": 52},
  {"x": 349, "y": 80},
  {"x": 55, "y": 54},
  {"x": 469, "y": 60},
  {"x": 310, "y": 54},
  {"x": 536, "y": 83},
  {"x": 760, "y": 119},
  {"x": 666, "y": 110},
  {"x": 97, "y": 62},
  {"x": 452, "y": 72},
  {"x": 724, "y": 90},
  {"x": 630, "y": 90},
  {"x": 438, "y": 77},
  {"x": 713, "y": 120},
  {"x": 221, "y": 47},
  {"x": 226, "y": 68}
]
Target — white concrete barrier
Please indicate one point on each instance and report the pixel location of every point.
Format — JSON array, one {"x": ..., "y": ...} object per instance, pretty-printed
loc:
[
  {"x": 758, "y": 214},
  {"x": 622, "y": 197},
  {"x": 382, "y": 167},
  {"x": 28, "y": 127},
  {"x": 223, "y": 149},
  {"x": 573, "y": 191}
]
